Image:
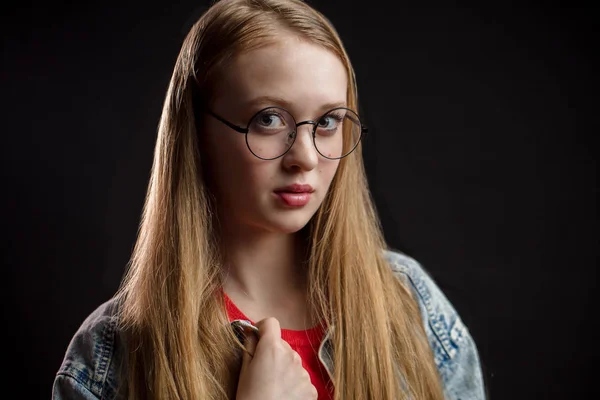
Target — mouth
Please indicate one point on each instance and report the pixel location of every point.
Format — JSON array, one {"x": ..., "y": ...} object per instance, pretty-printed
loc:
[
  {"x": 295, "y": 195},
  {"x": 294, "y": 199},
  {"x": 296, "y": 188}
]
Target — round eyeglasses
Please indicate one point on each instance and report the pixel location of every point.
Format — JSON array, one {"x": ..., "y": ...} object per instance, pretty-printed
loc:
[{"x": 272, "y": 131}]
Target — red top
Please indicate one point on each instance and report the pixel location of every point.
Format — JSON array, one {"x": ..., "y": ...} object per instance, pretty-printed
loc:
[{"x": 306, "y": 343}]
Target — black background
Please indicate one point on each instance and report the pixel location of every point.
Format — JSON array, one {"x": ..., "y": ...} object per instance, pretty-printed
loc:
[{"x": 481, "y": 161}]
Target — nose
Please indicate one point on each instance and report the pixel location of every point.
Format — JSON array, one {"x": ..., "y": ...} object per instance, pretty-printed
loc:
[{"x": 303, "y": 153}]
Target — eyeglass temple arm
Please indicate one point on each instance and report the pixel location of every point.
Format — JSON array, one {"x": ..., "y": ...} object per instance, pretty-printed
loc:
[
  {"x": 364, "y": 129},
  {"x": 229, "y": 124}
]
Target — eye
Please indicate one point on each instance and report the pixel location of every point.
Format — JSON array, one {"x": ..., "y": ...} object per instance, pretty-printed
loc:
[
  {"x": 270, "y": 120},
  {"x": 331, "y": 121}
]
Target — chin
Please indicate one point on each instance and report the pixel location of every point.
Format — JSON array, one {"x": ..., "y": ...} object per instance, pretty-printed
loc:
[
  {"x": 290, "y": 227},
  {"x": 289, "y": 223}
]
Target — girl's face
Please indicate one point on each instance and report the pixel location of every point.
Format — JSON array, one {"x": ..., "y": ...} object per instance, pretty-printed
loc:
[{"x": 306, "y": 80}]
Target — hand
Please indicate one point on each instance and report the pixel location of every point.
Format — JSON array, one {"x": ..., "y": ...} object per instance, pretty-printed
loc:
[{"x": 275, "y": 370}]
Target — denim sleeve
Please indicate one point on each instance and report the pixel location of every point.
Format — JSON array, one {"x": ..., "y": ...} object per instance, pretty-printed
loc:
[
  {"x": 455, "y": 352},
  {"x": 67, "y": 388},
  {"x": 90, "y": 368}
]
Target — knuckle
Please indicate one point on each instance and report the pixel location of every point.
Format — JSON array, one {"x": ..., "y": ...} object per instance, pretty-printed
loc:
[
  {"x": 313, "y": 392},
  {"x": 267, "y": 324},
  {"x": 271, "y": 322},
  {"x": 275, "y": 345},
  {"x": 306, "y": 375}
]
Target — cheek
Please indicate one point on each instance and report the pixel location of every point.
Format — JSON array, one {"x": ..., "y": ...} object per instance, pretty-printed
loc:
[
  {"x": 245, "y": 176},
  {"x": 240, "y": 171},
  {"x": 328, "y": 170},
  {"x": 260, "y": 177},
  {"x": 228, "y": 162}
]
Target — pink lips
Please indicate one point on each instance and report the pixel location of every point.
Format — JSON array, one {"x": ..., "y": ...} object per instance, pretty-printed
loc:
[{"x": 295, "y": 195}]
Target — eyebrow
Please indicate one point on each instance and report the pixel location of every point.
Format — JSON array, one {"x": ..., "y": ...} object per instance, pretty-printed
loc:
[{"x": 278, "y": 101}]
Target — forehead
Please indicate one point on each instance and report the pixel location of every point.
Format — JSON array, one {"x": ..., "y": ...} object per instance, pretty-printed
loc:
[{"x": 304, "y": 75}]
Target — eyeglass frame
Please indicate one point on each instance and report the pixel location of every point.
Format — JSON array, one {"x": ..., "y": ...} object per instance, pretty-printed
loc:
[{"x": 363, "y": 130}]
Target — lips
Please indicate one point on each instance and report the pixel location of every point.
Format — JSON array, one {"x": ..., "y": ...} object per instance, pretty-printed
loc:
[
  {"x": 296, "y": 188},
  {"x": 296, "y": 195},
  {"x": 294, "y": 199}
]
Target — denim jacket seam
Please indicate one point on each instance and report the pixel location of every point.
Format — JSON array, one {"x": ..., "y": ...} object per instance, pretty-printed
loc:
[
  {"x": 99, "y": 379},
  {"x": 65, "y": 372},
  {"x": 432, "y": 320}
]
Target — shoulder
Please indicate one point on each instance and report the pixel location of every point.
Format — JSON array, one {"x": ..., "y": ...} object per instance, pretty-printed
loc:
[
  {"x": 454, "y": 349},
  {"x": 436, "y": 310},
  {"x": 90, "y": 367}
]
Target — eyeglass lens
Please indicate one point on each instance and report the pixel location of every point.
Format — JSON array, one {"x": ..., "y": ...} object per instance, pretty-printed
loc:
[{"x": 272, "y": 132}]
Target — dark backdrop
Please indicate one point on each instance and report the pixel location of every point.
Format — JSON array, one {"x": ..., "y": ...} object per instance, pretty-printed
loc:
[{"x": 481, "y": 163}]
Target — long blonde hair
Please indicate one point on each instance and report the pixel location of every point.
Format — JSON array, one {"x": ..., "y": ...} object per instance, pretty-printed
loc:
[{"x": 173, "y": 320}]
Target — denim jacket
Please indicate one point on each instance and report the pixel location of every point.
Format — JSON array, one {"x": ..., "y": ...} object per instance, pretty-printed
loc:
[{"x": 90, "y": 369}]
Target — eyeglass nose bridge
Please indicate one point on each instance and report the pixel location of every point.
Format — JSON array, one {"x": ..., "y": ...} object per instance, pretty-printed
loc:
[{"x": 307, "y": 122}]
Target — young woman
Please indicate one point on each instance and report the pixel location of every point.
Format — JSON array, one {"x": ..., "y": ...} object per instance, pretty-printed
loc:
[{"x": 260, "y": 271}]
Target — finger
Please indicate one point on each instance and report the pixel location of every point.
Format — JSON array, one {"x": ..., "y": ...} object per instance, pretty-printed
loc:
[
  {"x": 286, "y": 345},
  {"x": 296, "y": 358},
  {"x": 269, "y": 329}
]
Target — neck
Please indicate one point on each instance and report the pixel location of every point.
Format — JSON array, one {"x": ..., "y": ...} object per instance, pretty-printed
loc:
[{"x": 265, "y": 267}]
